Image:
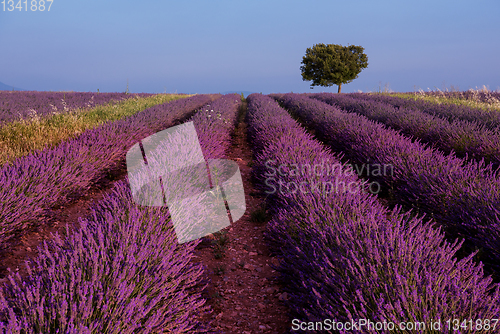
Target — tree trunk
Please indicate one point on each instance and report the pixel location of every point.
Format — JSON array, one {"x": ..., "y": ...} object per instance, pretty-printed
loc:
[{"x": 340, "y": 85}]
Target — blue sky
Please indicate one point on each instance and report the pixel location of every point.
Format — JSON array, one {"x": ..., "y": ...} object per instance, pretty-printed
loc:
[{"x": 218, "y": 45}]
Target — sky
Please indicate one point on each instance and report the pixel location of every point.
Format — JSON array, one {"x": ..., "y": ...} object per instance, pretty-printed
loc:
[{"x": 211, "y": 46}]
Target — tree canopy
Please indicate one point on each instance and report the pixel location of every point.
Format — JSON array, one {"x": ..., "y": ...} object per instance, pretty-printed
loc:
[{"x": 333, "y": 64}]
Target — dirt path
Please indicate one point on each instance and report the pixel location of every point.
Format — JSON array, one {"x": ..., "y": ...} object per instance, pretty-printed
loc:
[{"x": 243, "y": 289}]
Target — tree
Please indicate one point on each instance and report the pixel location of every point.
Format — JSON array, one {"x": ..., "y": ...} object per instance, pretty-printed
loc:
[{"x": 332, "y": 64}]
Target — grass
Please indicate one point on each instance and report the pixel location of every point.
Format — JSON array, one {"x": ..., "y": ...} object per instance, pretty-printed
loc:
[
  {"x": 493, "y": 104},
  {"x": 260, "y": 214},
  {"x": 219, "y": 244},
  {"x": 22, "y": 137}
]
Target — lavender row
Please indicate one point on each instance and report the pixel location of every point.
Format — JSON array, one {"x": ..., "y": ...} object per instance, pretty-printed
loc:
[
  {"x": 215, "y": 123},
  {"x": 344, "y": 256},
  {"x": 463, "y": 137},
  {"x": 137, "y": 278},
  {"x": 490, "y": 118},
  {"x": 464, "y": 196},
  {"x": 20, "y": 105},
  {"x": 37, "y": 182},
  {"x": 121, "y": 272}
]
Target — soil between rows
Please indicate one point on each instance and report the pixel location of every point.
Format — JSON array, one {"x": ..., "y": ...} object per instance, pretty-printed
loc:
[{"x": 243, "y": 290}]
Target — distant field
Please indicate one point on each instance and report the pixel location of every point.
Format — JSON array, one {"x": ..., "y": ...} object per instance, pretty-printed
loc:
[
  {"x": 44, "y": 126},
  {"x": 481, "y": 99}
]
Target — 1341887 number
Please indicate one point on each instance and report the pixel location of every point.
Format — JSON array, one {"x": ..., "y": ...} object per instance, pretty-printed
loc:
[
  {"x": 32, "y": 5},
  {"x": 472, "y": 325}
]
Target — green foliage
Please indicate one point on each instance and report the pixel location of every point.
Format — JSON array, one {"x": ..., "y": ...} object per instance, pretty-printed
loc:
[
  {"x": 219, "y": 244},
  {"x": 333, "y": 64},
  {"x": 259, "y": 215}
]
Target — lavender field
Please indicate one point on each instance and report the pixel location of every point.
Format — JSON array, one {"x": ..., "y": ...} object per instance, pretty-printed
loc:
[
  {"x": 378, "y": 208},
  {"x": 17, "y": 105}
]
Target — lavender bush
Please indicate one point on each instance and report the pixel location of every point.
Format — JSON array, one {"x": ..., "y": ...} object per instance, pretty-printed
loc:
[
  {"x": 462, "y": 196},
  {"x": 215, "y": 123},
  {"x": 490, "y": 118},
  {"x": 39, "y": 181},
  {"x": 465, "y": 138},
  {"x": 123, "y": 271},
  {"x": 344, "y": 256},
  {"x": 19, "y": 105}
]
